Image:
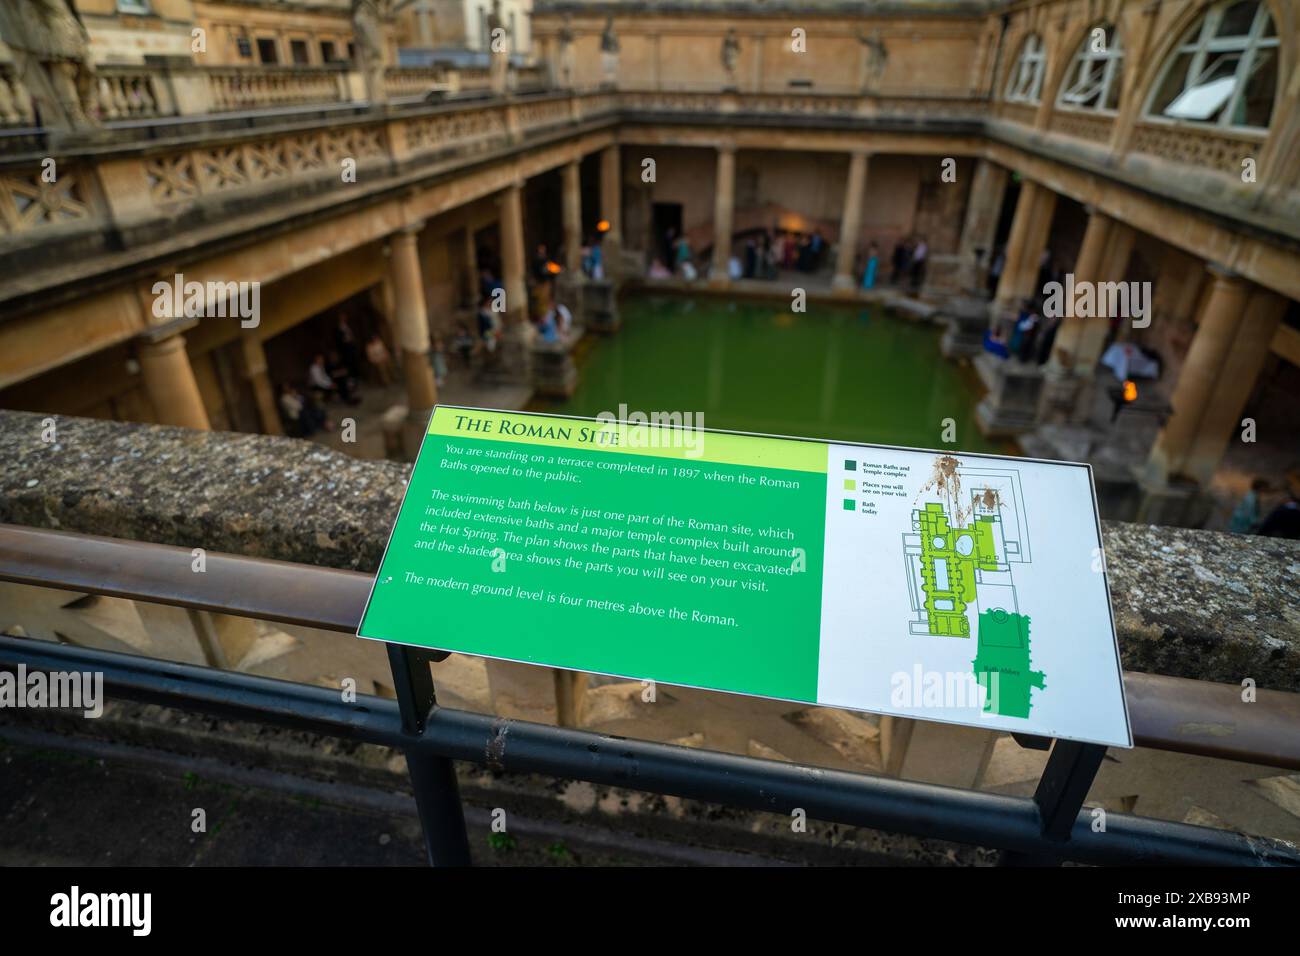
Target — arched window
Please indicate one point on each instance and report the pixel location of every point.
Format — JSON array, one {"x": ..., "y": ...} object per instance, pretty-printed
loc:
[
  {"x": 1026, "y": 83},
  {"x": 1093, "y": 80},
  {"x": 1225, "y": 70}
]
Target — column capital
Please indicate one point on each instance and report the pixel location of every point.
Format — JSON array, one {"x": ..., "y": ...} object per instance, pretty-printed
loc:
[
  {"x": 410, "y": 230},
  {"x": 726, "y": 148},
  {"x": 1222, "y": 273},
  {"x": 168, "y": 329}
]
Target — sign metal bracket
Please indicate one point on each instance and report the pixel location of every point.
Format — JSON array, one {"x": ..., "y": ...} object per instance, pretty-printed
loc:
[
  {"x": 433, "y": 778},
  {"x": 1071, "y": 769}
]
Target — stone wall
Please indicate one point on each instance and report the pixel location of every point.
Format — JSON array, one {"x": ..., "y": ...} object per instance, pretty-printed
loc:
[{"x": 1187, "y": 603}]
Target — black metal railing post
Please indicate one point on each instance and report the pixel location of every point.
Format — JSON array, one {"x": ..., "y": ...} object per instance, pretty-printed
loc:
[
  {"x": 433, "y": 778},
  {"x": 1071, "y": 769}
]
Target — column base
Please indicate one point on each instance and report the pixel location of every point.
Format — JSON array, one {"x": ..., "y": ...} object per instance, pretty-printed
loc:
[
  {"x": 421, "y": 390},
  {"x": 967, "y": 320},
  {"x": 843, "y": 284},
  {"x": 569, "y": 288},
  {"x": 600, "y": 307},
  {"x": 554, "y": 373},
  {"x": 944, "y": 276},
  {"x": 1011, "y": 406},
  {"x": 1174, "y": 502},
  {"x": 1062, "y": 392}
]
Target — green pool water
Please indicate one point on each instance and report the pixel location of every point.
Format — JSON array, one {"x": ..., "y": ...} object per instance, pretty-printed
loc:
[{"x": 846, "y": 373}]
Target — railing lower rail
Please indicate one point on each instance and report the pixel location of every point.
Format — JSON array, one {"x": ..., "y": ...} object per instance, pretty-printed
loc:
[{"x": 433, "y": 736}]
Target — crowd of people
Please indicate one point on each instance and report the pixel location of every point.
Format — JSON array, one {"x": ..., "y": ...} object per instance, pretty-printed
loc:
[
  {"x": 1281, "y": 521},
  {"x": 333, "y": 376},
  {"x": 1032, "y": 335},
  {"x": 765, "y": 254},
  {"x": 550, "y": 319}
]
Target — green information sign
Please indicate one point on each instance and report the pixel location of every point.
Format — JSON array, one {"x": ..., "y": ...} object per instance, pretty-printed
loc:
[{"x": 922, "y": 584}]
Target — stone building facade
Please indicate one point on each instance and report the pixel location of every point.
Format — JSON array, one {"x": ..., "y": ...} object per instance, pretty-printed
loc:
[{"x": 1123, "y": 140}]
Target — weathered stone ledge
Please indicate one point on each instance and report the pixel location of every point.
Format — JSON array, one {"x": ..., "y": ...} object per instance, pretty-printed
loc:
[{"x": 1197, "y": 604}]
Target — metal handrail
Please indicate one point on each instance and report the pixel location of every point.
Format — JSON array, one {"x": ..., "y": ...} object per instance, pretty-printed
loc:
[
  {"x": 853, "y": 799},
  {"x": 1048, "y": 828},
  {"x": 1174, "y": 714}
]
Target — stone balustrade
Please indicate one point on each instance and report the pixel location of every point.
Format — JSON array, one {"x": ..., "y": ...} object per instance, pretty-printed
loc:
[
  {"x": 1214, "y": 149},
  {"x": 1197, "y": 604},
  {"x": 15, "y": 101},
  {"x": 131, "y": 177},
  {"x": 402, "y": 82},
  {"x": 124, "y": 93},
  {"x": 136, "y": 92},
  {"x": 248, "y": 88}
]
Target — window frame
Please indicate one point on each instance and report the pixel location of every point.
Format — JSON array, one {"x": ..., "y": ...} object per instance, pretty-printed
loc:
[
  {"x": 1032, "y": 54},
  {"x": 1200, "y": 42},
  {"x": 1112, "y": 72}
]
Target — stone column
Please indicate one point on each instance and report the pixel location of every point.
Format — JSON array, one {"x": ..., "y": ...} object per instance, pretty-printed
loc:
[
  {"x": 1221, "y": 420},
  {"x": 572, "y": 203},
  {"x": 169, "y": 381},
  {"x": 1111, "y": 267},
  {"x": 611, "y": 207},
  {"x": 724, "y": 208},
  {"x": 1069, "y": 387},
  {"x": 1087, "y": 268},
  {"x": 259, "y": 381},
  {"x": 471, "y": 261},
  {"x": 979, "y": 229},
  {"x": 412, "y": 320},
  {"x": 1033, "y": 220},
  {"x": 513, "y": 267},
  {"x": 1177, "y": 287},
  {"x": 1220, "y": 319},
  {"x": 424, "y": 18},
  {"x": 851, "y": 223}
]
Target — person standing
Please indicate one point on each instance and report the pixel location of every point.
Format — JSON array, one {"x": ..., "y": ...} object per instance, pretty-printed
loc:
[
  {"x": 918, "y": 264},
  {"x": 682, "y": 258},
  {"x": 995, "y": 272},
  {"x": 902, "y": 259},
  {"x": 345, "y": 341},
  {"x": 1247, "y": 513},
  {"x": 319, "y": 378},
  {"x": 380, "y": 360},
  {"x": 1284, "y": 520},
  {"x": 873, "y": 263}
]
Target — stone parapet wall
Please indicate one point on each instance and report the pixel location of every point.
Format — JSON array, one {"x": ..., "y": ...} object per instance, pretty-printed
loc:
[{"x": 1195, "y": 604}]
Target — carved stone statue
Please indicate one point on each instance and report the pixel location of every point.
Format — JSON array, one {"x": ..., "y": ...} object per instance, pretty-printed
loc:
[
  {"x": 498, "y": 51},
  {"x": 874, "y": 59},
  {"x": 730, "y": 56},
  {"x": 368, "y": 28},
  {"x": 51, "y": 50},
  {"x": 609, "y": 53},
  {"x": 565, "y": 59}
]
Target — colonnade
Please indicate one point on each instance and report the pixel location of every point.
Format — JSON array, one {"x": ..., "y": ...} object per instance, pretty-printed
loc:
[{"x": 167, "y": 373}]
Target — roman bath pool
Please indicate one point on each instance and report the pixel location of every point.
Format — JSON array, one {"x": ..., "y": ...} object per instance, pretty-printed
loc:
[{"x": 838, "y": 372}]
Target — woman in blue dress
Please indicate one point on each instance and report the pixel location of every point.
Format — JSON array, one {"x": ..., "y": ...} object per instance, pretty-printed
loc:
[{"x": 873, "y": 263}]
